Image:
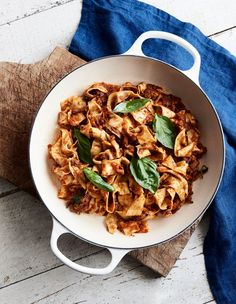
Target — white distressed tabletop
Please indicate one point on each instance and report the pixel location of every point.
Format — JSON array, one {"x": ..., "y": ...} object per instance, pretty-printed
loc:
[{"x": 29, "y": 272}]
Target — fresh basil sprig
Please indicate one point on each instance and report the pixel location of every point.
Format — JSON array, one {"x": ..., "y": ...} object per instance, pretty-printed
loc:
[
  {"x": 83, "y": 146},
  {"x": 129, "y": 106},
  {"x": 164, "y": 131},
  {"x": 97, "y": 180},
  {"x": 144, "y": 171}
]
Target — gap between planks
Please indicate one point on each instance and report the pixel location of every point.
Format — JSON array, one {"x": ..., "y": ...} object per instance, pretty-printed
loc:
[
  {"x": 55, "y": 267},
  {"x": 221, "y": 32},
  {"x": 39, "y": 10}
]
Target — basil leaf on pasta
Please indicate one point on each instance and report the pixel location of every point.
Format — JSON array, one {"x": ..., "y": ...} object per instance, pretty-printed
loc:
[
  {"x": 164, "y": 131},
  {"x": 77, "y": 198},
  {"x": 129, "y": 106},
  {"x": 144, "y": 171},
  {"x": 96, "y": 179},
  {"x": 83, "y": 146}
]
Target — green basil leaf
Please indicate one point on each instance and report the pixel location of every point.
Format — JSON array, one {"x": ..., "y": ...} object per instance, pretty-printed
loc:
[
  {"x": 83, "y": 146},
  {"x": 164, "y": 131},
  {"x": 129, "y": 106},
  {"x": 144, "y": 171},
  {"x": 77, "y": 198},
  {"x": 97, "y": 180}
]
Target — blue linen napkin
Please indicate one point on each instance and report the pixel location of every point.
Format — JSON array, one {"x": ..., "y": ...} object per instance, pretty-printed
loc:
[{"x": 110, "y": 27}]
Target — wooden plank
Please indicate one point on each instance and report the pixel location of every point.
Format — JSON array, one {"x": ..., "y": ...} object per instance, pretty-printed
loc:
[
  {"x": 130, "y": 282},
  {"x": 163, "y": 257},
  {"x": 12, "y": 11},
  {"x": 25, "y": 229},
  {"x": 29, "y": 39}
]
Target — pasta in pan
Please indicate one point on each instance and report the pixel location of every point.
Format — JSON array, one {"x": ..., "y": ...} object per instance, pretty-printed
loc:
[{"x": 127, "y": 152}]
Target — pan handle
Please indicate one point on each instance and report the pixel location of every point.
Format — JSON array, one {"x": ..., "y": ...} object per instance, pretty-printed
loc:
[
  {"x": 116, "y": 254},
  {"x": 193, "y": 72}
]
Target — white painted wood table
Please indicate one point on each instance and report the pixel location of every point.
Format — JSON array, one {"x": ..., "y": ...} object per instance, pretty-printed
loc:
[{"x": 29, "y": 272}]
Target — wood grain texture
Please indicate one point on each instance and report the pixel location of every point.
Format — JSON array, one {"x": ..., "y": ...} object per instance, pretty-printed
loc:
[
  {"x": 46, "y": 26},
  {"x": 13, "y": 11},
  {"x": 22, "y": 89},
  {"x": 163, "y": 257},
  {"x": 27, "y": 224}
]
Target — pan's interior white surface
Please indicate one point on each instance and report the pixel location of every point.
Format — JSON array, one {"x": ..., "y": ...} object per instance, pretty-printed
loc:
[{"x": 119, "y": 70}]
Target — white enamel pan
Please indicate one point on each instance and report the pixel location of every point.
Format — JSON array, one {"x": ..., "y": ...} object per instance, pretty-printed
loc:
[{"x": 133, "y": 66}]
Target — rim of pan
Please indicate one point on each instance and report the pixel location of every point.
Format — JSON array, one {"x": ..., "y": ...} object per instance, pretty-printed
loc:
[{"x": 222, "y": 163}]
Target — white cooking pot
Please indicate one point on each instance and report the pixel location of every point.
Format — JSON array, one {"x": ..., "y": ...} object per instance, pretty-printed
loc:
[{"x": 133, "y": 66}]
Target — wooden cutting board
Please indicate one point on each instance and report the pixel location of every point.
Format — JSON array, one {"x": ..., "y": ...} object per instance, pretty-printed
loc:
[{"x": 22, "y": 89}]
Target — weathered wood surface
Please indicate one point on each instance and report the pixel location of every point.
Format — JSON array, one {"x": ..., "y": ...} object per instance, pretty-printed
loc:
[
  {"x": 28, "y": 225},
  {"x": 163, "y": 257},
  {"x": 22, "y": 89}
]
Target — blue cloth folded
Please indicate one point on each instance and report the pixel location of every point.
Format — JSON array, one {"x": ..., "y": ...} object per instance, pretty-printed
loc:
[{"x": 110, "y": 27}]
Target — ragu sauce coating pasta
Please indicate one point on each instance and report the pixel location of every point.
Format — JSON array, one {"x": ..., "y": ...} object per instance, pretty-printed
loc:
[{"x": 127, "y": 152}]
